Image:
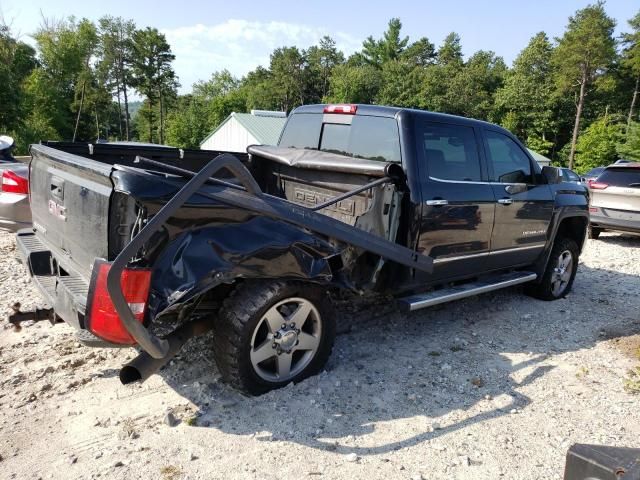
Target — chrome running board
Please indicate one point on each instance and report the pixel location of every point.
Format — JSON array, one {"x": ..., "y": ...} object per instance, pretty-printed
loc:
[{"x": 487, "y": 284}]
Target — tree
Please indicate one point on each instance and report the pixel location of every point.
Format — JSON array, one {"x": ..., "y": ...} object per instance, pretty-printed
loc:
[
  {"x": 420, "y": 53},
  {"x": 597, "y": 145},
  {"x": 17, "y": 60},
  {"x": 187, "y": 123},
  {"x": 631, "y": 59},
  {"x": 115, "y": 64},
  {"x": 288, "y": 69},
  {"x": 62, "y": 94},
  {"x": 630, "y": 148},
  {"x": 389, "y": 47},
  {"x": 583, "y": 53},
  {"x": 525, "y": 103},
  {"x": 401, "y": 84},
  {"x": 153, "y": 75},
  {"x": 354, "y": 84},
  {"x": 221, "y": 95},
  {"x": 450, "y": 52},
  {"x": 321, "y": 61}
]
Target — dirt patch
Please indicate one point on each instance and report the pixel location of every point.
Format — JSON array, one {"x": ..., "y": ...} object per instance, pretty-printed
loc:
[{"x": 496, "y": 386}]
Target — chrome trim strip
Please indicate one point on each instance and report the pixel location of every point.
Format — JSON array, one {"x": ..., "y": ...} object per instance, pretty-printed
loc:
[
  {"x": 486, "y": 254},
  {"x": 436, "y": 179}
]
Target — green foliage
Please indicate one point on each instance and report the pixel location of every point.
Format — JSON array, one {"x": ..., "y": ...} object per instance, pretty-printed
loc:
[
  {"x": 583, "y": 54},
  {"x": 539, "y": 144},
  {"x": 525, "y": 102},
  {"x": 400, "y": 84},
  {"x": 451, "y": 50},
  {"x": 631, "y": 42},
  {"x": 390, "y": 47},
  {"x": 597, "y": 144},
  {"x": 115, "y": 66},
  {"x": 80, "y": 78},
  {"x": 586, "y": 48},
  {"x": 153, "y": 76},
  {"x": 629, "y": 148},
  {"x": 356, "y": 84},
  {"x": 288, "y": 72},
  {"x": 187, "y": 123}
]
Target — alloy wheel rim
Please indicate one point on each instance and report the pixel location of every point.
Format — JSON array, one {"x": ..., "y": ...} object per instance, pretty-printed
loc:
[
  {"x": 562, "y": 273},
  {"x": 285, "y": 340}
]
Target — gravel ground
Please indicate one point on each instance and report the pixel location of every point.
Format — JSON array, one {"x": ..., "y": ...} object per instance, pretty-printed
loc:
[{"x": 496, "y": 386}]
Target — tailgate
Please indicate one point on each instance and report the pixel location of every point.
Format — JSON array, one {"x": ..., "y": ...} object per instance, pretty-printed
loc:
[{"x": 70, "y": 206}]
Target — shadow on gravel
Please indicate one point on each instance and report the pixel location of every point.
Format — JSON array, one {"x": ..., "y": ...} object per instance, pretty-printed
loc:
[
  {"x": 620, "y": 239},
  {"x": 468, "y": 360}
]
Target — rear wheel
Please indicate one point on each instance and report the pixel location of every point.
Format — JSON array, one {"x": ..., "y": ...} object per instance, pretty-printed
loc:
[
  {"x": 594, "y": 232},
  {"x": 560, "y": 273},
  {"x": 269, "y": 334}
]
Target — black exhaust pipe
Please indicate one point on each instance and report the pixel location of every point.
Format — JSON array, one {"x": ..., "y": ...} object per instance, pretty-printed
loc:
[{"x": 144, "y": 365}]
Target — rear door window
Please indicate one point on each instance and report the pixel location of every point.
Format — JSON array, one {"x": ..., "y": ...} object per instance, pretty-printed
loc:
[
  {"x": 507, "y": 161},
  {"x": 451, "y": 152},
  {"x": 621, "y": 177}
]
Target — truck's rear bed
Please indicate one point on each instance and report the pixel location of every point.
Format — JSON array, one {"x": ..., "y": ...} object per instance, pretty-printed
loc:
[{"x": 71, "y": 193}]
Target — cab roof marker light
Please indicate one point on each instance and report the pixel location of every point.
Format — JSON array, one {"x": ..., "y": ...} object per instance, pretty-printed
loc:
[{"x": 344, "y": 108}]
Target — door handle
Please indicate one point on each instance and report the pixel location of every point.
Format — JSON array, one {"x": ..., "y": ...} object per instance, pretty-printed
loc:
[
  {"x": 505, "y": 201},
  {"x": 436, "y": 202}
]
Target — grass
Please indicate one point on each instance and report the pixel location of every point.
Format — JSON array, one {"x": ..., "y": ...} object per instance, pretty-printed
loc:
[
  {"x": 170, "y": 472},
  {"x": 582, "y": 372},
  {"x": 632, "y": 382},
  {"x": 192, "y": 421}
]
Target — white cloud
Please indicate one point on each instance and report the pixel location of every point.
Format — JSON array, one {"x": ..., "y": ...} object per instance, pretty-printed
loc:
[{"x": 240, "y": 46}]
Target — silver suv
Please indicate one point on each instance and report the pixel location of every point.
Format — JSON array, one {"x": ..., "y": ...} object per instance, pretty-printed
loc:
[{"x": 615, "y": 200}]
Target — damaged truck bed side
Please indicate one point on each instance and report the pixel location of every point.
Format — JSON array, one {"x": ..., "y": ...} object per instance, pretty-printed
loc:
[{"x": 363, "y": 199}]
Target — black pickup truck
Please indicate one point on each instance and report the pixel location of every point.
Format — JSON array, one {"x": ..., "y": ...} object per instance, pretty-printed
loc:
[{"x": 355, "y": 199}]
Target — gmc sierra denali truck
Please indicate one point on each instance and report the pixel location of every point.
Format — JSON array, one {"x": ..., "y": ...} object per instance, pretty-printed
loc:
[{"x": 355, "y": 199}]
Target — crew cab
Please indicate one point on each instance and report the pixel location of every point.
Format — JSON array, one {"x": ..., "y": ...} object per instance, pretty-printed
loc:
[{"x": 359, "y": 199}]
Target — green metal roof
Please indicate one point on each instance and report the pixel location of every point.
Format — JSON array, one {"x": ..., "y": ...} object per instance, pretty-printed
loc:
[
  {"x": 539, "y": 158},
  {"x": 265, "y": 129}
]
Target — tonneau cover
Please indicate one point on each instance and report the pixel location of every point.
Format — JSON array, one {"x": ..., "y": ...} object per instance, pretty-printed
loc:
[{"x": 319, "y": 160}]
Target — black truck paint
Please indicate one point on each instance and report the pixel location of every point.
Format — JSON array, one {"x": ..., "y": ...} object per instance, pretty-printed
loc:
[{"x": 415, "y": 228}]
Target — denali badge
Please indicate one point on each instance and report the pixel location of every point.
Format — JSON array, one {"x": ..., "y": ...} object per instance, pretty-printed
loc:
[{"x": 57, "y": 210}]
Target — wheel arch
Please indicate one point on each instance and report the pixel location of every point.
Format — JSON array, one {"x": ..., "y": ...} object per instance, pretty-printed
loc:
[{"x": 571, "y": 224}]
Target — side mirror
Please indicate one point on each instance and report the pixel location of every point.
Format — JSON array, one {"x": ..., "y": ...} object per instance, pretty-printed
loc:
[{"x": 552, "y": 174}]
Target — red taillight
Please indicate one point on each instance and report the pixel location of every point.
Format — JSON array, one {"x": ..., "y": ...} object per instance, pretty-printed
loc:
[
  {"x": 14, "y": 183},
  {"x": 598, "y": 185},
  {"x": 349, "y": 109},
  {"x": 593, "y": 209},
  {"x": 103, "y": 320}
]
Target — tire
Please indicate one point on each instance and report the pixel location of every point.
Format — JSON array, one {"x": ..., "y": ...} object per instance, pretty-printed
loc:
[
  {"x": 255, "y": 337},
  {"x": 555, "y": 284},
  {"x": 593, "y": 232}
]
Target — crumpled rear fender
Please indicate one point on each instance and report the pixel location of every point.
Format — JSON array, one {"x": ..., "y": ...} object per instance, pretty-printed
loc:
[{"x": 251, "y": 246}]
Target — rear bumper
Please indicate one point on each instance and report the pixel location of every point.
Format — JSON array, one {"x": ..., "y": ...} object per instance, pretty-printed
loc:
[
  {"x": 66, "y": 293},
  {"x": 15, "y": 212},
  {"x": 600, "y": 221}
]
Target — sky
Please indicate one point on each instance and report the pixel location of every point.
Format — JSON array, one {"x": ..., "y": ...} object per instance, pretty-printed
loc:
[{"x": 239, "y": 35}]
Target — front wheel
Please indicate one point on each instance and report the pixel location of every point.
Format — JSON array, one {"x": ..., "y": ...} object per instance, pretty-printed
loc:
[
  {"x": 560, "y": 272},
  {"x": 269, "y": 334}
]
